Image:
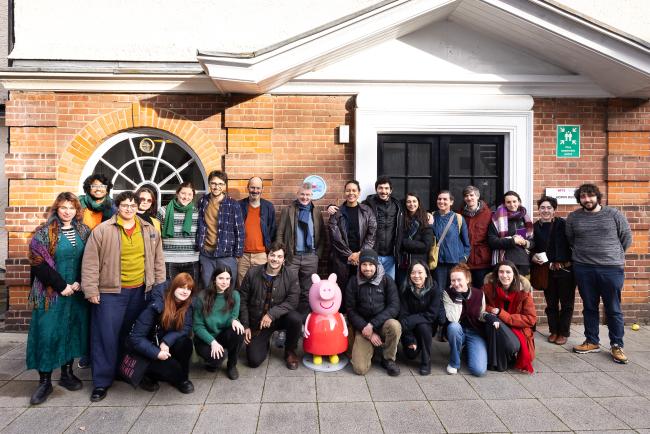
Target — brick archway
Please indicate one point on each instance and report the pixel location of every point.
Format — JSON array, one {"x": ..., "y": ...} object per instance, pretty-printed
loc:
[{"x": 82, "y": 146}]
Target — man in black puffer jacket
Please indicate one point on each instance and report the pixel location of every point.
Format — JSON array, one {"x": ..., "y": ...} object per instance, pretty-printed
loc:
[{"x": 372, "y": 303}]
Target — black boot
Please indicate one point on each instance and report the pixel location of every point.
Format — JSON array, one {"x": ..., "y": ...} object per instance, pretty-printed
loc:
[
  {"x": 43, "y": 390},
  {"x": 68, "y": 379}
]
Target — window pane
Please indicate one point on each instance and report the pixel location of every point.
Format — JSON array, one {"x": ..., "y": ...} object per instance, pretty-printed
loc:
[
  {"x": 419, "y": 157},
  {"x": 399, "y": 188},
  {"x": 460, "y": 159},
  {"x": 456, "y": 186},
  {"x": 485, "y": 159},
  {"x": 394, "y": 163},
  {"x": 420, "y": 187},
  {"x": 489, "y": 193}
]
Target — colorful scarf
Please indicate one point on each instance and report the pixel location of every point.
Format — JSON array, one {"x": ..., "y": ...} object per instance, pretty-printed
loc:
[
  {"x": 500, "y": 219},
  {"x": 168, "y": 224},
  {"x": 42, "y": 249},
  {"x": 105, "y": 206},
  {"x": 524, "y": 362},
  {"x": 304, "y": 215}
]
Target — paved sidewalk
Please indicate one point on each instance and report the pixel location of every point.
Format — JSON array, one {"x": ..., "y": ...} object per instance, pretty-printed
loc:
[{"x": 568, "y": 393}]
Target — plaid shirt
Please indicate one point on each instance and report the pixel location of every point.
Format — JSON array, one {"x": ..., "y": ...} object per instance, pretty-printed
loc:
[{"x": 230, "y": 238}]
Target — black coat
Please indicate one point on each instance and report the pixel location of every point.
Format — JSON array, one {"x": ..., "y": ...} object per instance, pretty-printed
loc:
[
  {"x": 374, "y": 301},
  {"x": 415, "y": 310},
  {"x": 416, "y": 247},
  {"x": 556, "y": 246}
]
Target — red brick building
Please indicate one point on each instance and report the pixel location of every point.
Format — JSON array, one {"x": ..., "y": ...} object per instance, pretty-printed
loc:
[{"x": 436, "y": 94}]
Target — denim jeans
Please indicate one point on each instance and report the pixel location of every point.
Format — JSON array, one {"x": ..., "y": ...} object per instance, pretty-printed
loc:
[
  {"x": 458, "y": 336},
  {"x": 596, "y": 282},
  {"x": 388, "y": 262}
]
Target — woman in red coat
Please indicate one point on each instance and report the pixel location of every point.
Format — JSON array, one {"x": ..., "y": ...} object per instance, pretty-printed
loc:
[{"x": 510, "y": 318}]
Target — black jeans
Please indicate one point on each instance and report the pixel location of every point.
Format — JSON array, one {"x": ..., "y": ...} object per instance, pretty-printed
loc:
[
  {"x": 560, "y": 298},
  {"x": 423, "y": 333},
  {"x": 258, "y": 348},
  {"x": 174, "y": 370},
  {"x": 229, "y": 339}
]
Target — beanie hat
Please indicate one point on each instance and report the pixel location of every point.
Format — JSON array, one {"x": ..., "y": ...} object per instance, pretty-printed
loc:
[{"x": 369, "y": 255}]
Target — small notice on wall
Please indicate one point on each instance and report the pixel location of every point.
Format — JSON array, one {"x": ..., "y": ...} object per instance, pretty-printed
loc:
[
  {"x": 568, "y": 141},
  {"x": 564, "y": 196}
]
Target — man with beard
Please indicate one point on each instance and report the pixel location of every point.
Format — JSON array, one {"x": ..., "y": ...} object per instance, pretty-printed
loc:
[
  {"x": 96, "y": 203},
  {"x": 390, "y": 218},
  {"x": 599, "y": 235},
  {"x": 259, "y": 224}
]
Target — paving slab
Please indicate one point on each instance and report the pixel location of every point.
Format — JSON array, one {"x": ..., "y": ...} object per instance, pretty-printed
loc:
[
  {"x": 641, "y": 358},
  {"x": 566, "y": 362},
  {"x": 43, "y": 420},
  {"x": 289, "y": 389},
  {"x": 526, "y": 415},
  {"x": 167, "y": 419},
  {"x": 8, "y": 414},
  {"x": 402, "y": 388},
  {"x": 342, "y": 389},
  {"x": 583, "y": 414},
  {"x": 100, "y": 420},
  {"x": 15, "y": 352},
  {"x": 278, "y": 368},
  {"x": 633, "y": 411},
  {"x": 121, "y": 394},
  {"x": 498, "y": 387},
  {"x": 549, "y": 385},
  {"x": 447, "y": 387},
  {"x": 598, "y": 384},
  {"x": 168, "y": 395},
  {"x": 10, "y": 368},
  {"x": 228, "y": 418},
  {"x": 408, "y": 417},
  {"x": 467, "y": 417},
  {"x": 62, "y": 397},
  {"x": 17, "y": 393},
  {"x": 640, "y": 383},
  {"x": 348, "y": 417},
  {"x": 294, "y": 417},
  {"x": 604, "y": 362},
  {"x": 244, "y": 391}
]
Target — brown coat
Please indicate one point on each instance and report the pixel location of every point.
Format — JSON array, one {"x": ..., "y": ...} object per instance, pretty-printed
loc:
[
  {"x": 522, "y": 315},
  {"x": 101, "y": 267},
  {"x": 287, "y": 230}
]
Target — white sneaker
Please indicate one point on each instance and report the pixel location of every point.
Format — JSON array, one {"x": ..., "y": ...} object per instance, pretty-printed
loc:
[{"x": 451, "y": 370}]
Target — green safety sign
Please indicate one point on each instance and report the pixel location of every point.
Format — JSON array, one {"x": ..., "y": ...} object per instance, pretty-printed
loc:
[{"x": 568, "y": 141}]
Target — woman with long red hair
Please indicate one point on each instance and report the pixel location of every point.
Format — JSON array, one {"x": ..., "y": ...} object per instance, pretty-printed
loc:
[{"x": 161, "y": 334}]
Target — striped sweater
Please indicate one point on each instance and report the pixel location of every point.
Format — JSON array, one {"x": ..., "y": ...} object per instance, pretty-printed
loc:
[{"x": 181, "y": 248}]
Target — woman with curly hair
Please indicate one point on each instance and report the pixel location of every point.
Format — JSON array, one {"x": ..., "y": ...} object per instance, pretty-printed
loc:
[{"x": 58, "y": 331}]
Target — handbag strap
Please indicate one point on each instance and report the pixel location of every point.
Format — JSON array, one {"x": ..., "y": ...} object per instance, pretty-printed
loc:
[{"x": 444, "y": 232}]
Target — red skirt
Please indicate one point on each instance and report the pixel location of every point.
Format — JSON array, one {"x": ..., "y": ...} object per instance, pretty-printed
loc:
[{"x": 325, "y": 335}]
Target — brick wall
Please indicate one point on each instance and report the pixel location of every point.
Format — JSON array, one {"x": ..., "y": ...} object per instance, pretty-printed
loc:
[{"x": 284, "y": 139}]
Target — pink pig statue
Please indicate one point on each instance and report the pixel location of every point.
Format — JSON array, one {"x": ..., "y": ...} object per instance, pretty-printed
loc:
[{"x": 325, "y": 329}]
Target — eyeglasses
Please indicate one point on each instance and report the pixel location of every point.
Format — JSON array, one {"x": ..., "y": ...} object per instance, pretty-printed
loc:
[
  {"x": 98, "y": 186},
  {"x": 218, "y": 184},
  {"x": 128, "y": 205}
]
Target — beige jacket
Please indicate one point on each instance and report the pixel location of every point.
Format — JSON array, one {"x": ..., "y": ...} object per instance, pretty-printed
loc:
[{"x": 100, "y": 269}]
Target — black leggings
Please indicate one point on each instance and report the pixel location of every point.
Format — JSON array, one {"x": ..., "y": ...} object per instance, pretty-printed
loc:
[
  {"x": 423, "y": 333},
  {"x": 229, "y": 340},
  {"x": 258, "y": 348},
  {"x": 174, "y": 370}
]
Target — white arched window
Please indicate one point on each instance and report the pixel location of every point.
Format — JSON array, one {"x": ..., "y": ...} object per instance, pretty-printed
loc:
[{"x": 148, "y": 157}]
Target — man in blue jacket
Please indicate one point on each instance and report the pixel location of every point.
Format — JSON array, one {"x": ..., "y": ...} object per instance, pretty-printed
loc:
[
  {"x": 220, "y": 234},
  {"x": 259, "y": 223}
]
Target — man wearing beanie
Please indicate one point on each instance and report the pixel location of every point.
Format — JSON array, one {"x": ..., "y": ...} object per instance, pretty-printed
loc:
[{"x": 372, "y": 303}]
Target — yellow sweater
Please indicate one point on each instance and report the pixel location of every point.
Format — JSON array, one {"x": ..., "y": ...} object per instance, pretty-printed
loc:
[{"x": 132, "y": 258}]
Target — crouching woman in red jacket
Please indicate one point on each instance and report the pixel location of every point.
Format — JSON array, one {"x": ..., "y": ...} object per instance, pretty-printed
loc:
[{"x": 510, "y": 317}]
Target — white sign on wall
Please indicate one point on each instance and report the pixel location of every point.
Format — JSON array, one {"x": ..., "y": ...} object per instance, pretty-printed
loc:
[{"x": 564, "y": 196}]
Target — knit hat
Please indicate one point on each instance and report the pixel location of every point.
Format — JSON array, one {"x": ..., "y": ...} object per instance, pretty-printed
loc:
[{"x": 368, "y": 255}]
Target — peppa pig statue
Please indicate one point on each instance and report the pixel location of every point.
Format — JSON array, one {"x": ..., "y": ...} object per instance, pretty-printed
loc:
[{"x": 325, "y": 329}]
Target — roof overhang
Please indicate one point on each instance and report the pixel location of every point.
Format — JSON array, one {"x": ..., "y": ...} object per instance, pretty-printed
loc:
[{"x": 620, "y": 66}]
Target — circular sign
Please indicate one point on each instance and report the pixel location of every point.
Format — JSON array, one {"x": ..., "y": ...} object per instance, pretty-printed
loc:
[
  {"x": 147, "y": 145},
  {"x": 318, "y": 186}
]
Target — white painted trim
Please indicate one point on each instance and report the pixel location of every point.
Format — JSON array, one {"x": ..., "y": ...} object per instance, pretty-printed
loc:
[
  {"x": 101, "y": 82},
  {"x": 511, "y": 116}
]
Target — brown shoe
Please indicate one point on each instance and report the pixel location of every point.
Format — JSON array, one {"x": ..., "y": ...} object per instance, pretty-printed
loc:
[
  {"x": 552, "y": 338},
  {"x": 561, "y": 340},
  {"x": 618, "y": 355},
  {"x": 291, "y": 358},
  {"x": 586, "y": 347}
]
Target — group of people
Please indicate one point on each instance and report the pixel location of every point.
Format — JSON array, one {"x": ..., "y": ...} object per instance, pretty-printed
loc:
[{"x": 122, "y": 276}]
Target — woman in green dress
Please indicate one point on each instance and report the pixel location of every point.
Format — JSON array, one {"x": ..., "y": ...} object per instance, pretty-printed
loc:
[{"x": 58, "y": 331}]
